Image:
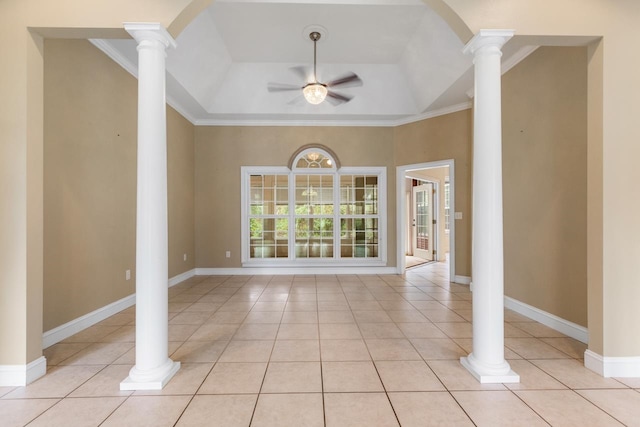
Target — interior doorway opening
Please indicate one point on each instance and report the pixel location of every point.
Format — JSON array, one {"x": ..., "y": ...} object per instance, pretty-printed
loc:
[{"x": 426, "y": 230}]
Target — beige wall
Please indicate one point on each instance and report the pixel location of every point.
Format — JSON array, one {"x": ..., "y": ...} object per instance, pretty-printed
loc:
[
  {"x": 20, "y": 187},
  {"x": 442, "y": 138},
  {"x": 90, "y": 182},
  {"x": 221, "y": 151},
  {"x": 545, "y": 181},
  {"x": 181, "y": 193}
]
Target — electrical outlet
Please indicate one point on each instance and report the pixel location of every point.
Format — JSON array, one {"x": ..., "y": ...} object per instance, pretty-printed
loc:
[
  {"x": 127, "y": 275},
  {"x": 228, "y": 254},
  {"x": 185, "y": 257},
  {"x": 457, "y": 215}
]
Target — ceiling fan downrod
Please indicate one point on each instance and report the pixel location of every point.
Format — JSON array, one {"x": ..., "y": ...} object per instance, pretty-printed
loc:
[{"x": 314, "y": 36}]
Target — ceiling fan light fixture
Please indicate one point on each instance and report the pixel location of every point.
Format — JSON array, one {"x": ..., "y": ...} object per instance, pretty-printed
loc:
[{"x": 314, "y": 93}]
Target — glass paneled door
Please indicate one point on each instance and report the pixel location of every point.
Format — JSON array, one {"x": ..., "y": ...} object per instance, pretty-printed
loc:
[{"x": 423, "y": 221}]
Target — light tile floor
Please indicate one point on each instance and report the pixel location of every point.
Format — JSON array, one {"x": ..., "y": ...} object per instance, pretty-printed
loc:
[{"x": 321, "y": 351}]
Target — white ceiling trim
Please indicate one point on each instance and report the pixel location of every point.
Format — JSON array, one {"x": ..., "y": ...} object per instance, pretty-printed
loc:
[
  {"x": 519, "y": 56},
  {"x": 435, "y": 113},
  {"x": 132, "y": 69},
  {"x": 354, "y": 123},
  {"x": 115, "y": 54},
  {"x": 293, "y": 123}
]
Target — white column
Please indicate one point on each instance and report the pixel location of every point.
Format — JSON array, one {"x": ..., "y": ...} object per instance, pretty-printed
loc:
[
  {"x": 153, "y": 367},
  {"x": 487, "y": 362}
]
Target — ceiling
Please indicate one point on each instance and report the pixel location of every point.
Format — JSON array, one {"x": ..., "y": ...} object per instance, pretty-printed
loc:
[{"x": 411, "y": 63}]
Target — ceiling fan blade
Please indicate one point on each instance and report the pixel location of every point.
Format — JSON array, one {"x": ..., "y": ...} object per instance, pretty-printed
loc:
[
  {"x": 303, "y": 72},
  {"x": 336, "y": 98},
  {"x": 282, "y": 87},
  {"x": 348, "y": 80},
  {"x": 298, "y": 100}
]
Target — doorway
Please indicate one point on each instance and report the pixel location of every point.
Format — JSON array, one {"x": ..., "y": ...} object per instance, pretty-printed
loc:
[{"x": 425, "y": 212}]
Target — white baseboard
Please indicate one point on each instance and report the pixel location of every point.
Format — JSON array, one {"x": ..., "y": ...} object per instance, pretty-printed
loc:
[
  {"x": 256, "y": 271},
  {"x": 619, "y": 367},
  {"x": 21, "y": 375},
  {"x": 182, "y": 277},
  {"x": 74, "y": 326},
  {"x": 462, "y": 280},
  {"x": 566, "y": 327}
]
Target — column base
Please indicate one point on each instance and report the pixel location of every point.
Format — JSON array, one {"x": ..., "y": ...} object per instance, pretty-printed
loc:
[
  {"x": 490, "y": 375},
  {"x": 150, "y": 381}
]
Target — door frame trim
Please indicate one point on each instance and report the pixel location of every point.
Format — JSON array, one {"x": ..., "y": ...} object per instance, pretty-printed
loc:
[{"x": 401, "y": 212}]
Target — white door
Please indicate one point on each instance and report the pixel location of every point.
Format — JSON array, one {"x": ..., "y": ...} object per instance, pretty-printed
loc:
[{"x": 423, "y": 221}]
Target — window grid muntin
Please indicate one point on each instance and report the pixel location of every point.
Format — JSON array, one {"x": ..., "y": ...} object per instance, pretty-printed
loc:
[
  {"x": 314, "y": 159},
  {"x": 314, "y": 206},
  {"x": 359, "y": 219},
  {"x": 268, "y": 231}
]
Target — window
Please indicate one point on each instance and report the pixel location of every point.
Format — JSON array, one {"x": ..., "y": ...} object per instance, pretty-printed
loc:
[
  {"x": 314, "y": 216},
  {"x": 269, "y": 216},
  {"x": 313, "y": 212},
  {"x": 359, "y": 216}
]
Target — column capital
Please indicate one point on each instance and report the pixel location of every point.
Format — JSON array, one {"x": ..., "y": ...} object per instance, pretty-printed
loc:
[
  {"x": 488, "y": 38},
  {"x": 153, "y": 31}
]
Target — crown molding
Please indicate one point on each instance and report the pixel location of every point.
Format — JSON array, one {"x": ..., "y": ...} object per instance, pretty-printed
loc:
[
  {"x": 293, "y": 123},
  {"x": 114, "y": 54},
  {"x": 435, "y": 113},
  {"x": 353, "y": 123},
  {"x": 517, "y": 57},
  {"x": 511, "y": 62},
  {"x": 132, "y": 69}
]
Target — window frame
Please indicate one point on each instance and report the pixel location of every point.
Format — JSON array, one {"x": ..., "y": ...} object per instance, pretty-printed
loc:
[{"x": 336, "y": 261}]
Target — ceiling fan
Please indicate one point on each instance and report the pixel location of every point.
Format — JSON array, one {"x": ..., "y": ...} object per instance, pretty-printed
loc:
[{"x": 315, "y": 92}]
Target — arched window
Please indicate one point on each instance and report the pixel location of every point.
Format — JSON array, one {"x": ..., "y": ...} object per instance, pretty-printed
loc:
[
  {"x": 313, "y": 212},
  {"x": 314, "y": 157}
]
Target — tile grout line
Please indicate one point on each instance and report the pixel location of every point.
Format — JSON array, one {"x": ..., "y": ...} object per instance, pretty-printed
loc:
[
  {"x": 597, "y": 406},
  {"x": 324, "y": 406},
  {"x": 264, "y": 376},
  {"x": 195, "y": 393},
  {"x": 461, "y": 407}
]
